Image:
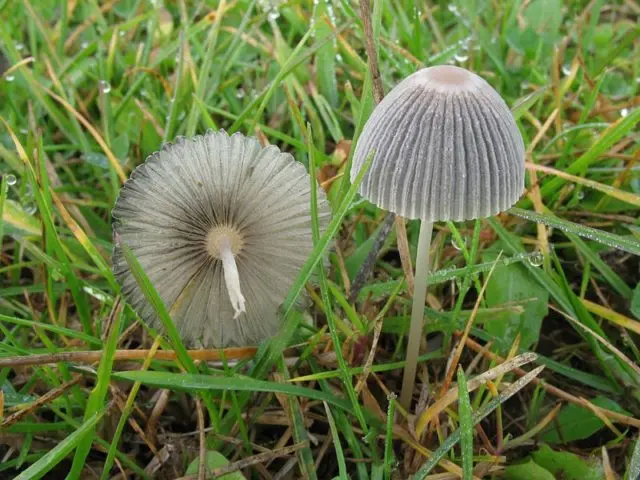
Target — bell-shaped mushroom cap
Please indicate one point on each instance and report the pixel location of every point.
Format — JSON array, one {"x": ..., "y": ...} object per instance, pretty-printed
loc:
[
  {"x": 446, "y": 148},
  {"x": 222, "y": 227}
]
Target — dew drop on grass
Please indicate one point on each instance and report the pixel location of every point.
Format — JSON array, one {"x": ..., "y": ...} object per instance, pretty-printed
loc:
[
  {"x": 273, "y": 14},
  {"x": 453, "y": 9},
  {"x": 104, "y": 86},
  {"x": 84, "y": 45},
  {"x": 624, "y": 112},
  {"x": 20, "y": 46},
  {"x": 368, "y": 437},
  {"x": 566, "y": 69},
  {"x": 240, "y": 93},
  {"x": 456, "y": 245},
  {"x": 11, "y": 179},
  {"x": 580, "y": 195},
  {"x": 460, "y": 57},
  {"x": 10, "y": 78},
  {"x": 536, "y": 259},
  {"x": 30, "y": 208}
]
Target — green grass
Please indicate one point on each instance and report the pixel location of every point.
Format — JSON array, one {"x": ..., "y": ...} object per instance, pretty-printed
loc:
[{"x": 89, "y": 89}]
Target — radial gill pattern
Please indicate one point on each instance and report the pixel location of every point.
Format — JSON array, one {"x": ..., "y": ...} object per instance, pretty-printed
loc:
[
  {"x": 446, "y": 148},
  {"x": 209, "y": 200}
]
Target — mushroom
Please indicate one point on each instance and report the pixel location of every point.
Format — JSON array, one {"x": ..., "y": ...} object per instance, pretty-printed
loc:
[
  {"x": 447, "y": 148},
  {"x": 222, "y": 227}
]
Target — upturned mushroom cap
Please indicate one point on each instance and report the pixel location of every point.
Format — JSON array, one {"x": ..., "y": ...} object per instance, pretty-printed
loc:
[
  {"x": 447, "y": 148},
  {"x": 222, "y": 227}
]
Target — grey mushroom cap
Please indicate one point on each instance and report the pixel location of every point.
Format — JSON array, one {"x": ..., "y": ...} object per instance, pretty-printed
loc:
[
  {"x": 222, "y": 227},
  {"x": 446, "y": 148}
]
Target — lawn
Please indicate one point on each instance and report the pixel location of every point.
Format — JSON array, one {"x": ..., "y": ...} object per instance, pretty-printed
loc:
[{"x": 529, "y": 362}]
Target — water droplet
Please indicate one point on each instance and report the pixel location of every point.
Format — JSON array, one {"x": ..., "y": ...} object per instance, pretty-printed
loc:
[
  {"x": 95, "y": 293},
  {"x": 84, "y": 45},
  {"x": 566, "y": 69},
  {"x": 453, "y": 9},
  {"x": 331, "y": 14},
  {"x": 104, "y": 86},
  {"x": 460, "y": 57},
  {"x": 122, "y": 33},
  {"x": 20, "y": 46},
  {"x": 240, "y": 93},
  {"x": 97, "y": 159},
  {"x": 11, "y": 179},
  {"x": 367, "y": 438},
  {"x": 580, "y": 195},
  {"x": 456, "y": 245},
  {"x": 30, "y": 208},
  {"x": 274, "y": 14},
  {"x": 624, "y": 112},
  {"x": 24, "y": 131},
  {"x": 338, "y": 57},
  {"x": 10, "y": 78},
  {"x": 536, "y": 258}
]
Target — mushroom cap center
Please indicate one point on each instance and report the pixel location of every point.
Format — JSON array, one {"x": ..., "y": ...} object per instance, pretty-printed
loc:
[
  {"x": 449, "y": 74},
  {"x": 223, "y": 237},
  {"x": 447, "y": 79}
]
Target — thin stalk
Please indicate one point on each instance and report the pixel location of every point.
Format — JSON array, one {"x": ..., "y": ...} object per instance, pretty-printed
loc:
[{"x": 417, "y": 313}]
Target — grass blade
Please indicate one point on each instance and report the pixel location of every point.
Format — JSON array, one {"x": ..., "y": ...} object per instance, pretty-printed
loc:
[
  {"x": 626, "y": 244},
  {"x": 388, "y": 438},
  {"x": 194, "y": 383},
  {"x": 609, "y": 137},
  {"x": 607, "y": 272},
  {"x": 99, "y": 393},
  {"x": 477, "y": 418},
  {"x": 61, "y": 450},
  {"x": 466, "y": 426},
  {"x": 326, "y": 299},
  {"x": 160, "y": 308},
  {"x": 342, "y": 466}
]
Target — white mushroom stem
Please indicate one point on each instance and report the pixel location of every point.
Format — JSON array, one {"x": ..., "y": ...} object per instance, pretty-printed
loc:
[
  {"x": 417, "y": 314},
  {"x": 231, "y": 277}
]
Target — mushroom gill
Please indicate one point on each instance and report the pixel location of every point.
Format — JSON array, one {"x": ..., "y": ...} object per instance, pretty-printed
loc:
[{"x": 222, "y": 227}]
